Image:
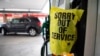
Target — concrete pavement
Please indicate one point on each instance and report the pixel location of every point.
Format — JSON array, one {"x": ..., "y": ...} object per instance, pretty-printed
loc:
[{"x": 20, "y": 45}]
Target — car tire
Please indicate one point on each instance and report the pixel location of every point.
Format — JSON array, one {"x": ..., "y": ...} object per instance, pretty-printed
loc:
[
  {"x": 3, "y": 31},
  {"x": 32, "y": 32}
]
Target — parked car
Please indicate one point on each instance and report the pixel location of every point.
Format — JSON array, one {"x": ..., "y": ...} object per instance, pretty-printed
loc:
[{"x": 31, "y": 25}]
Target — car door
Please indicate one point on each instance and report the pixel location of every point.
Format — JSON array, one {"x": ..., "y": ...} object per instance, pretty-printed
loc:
[
  {"x": 23, "y": 22},
  {"x": 14, "y": 25}
]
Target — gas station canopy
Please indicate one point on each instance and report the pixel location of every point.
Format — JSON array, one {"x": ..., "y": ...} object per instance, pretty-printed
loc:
[{"x": 24, "y": 5}]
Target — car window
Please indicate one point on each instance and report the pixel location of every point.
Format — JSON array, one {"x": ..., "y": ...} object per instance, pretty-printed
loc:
[
  {"x": 24, "y": 20},
  {"x": 21, "y": 21},
  {"x": 15, "y": 21}
]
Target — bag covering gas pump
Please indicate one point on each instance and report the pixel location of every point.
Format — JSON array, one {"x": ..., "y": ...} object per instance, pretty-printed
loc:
[{"x": 63, "y": 32}]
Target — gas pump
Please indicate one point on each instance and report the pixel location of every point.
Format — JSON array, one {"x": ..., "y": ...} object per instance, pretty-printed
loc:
[{"x": 78, "y": 48}]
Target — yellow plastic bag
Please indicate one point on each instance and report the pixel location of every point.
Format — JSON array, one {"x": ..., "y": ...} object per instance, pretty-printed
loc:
[{"x": 63, "y": 33}]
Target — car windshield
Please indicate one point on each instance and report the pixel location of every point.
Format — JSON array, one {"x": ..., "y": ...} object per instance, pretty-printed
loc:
[
  {"x": 1, "y": 23},
  {"x": 8, "y": 21}
]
